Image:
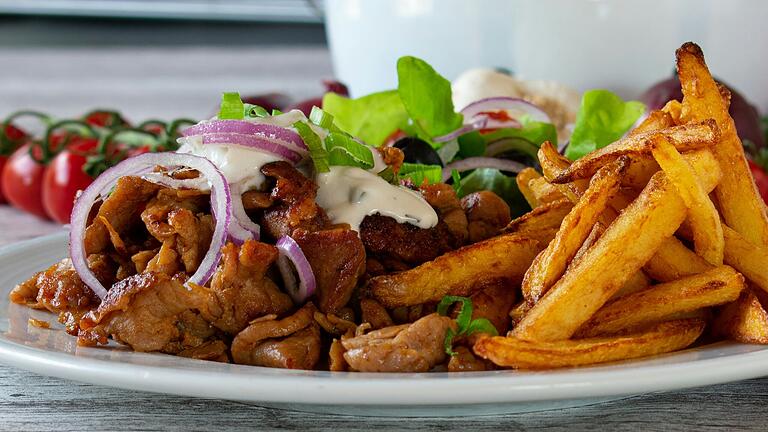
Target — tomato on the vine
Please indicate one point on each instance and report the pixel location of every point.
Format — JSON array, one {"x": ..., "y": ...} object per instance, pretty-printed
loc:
[
  {"x": 65, "y": 176},
  {"x": 22, "y": 181},
  {"x": 12, "y": 139}
]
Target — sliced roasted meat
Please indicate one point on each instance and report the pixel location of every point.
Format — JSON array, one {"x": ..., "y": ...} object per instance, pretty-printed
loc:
[
  {"x": 487, "y": 214},
  {"x": 466, "y": 361},
  {"x": 393, "y": 243},
  {"x": 242, "y": 291},
  {"x": 121, "y": 209},
  {"x": 337, "y": 257},
  {"x": 214, "y": 351},
  {"x": 294, "y": 196},
  {"x": 289, "y": 343},
  {"x": 59, "y": 290},
  {"x": 374, "y": 314},
  {"x": 494, "y": 301},
  {"x": 148, "y": 312},
  {"x": 443, "y": 199},
  {"x": 416, "y": 347},
  {"x": 159, "y": 210}
]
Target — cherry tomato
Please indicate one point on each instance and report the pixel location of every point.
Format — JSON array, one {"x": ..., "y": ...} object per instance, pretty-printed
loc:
[
  {"x": 761, "y": 179},
  {"x": 105, "y": 119},
  {"x": 22, "y": 180},
  {"x": 15, "y": 137},
  {"x": 65, "y": 176}
]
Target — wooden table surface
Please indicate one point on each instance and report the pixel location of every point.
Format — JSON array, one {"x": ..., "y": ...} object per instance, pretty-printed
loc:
[{"x": 184, "y": 84}]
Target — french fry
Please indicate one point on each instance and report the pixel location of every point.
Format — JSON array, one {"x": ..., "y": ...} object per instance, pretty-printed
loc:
[
  {"x": 525, "y": 354},
  {"x": 656, "y": 120},
  {"x": 673, "y": 261},
  {"x": 541, "y": 223},
  {"x": 550, "y": 264},
  {"x": 544, "y": 192},
  {"x": 705, "y": 221},
  {"x": 740, "y": 203},
  {"x": 518, "y": 312},
  {"x": 744, "y": 320},
  {"x": 624, "y": 248},
  {"x": 637, "y": 282},
  {"x": 460, "y": 272},
  {"x": 522, "y": 179},
  {"x": 552, "y": 163},
  {"x": 747, "y": 258},
  {"x": 714, "y": 287},
  {"x": 685, "y": 137},
  {"x": 674, "y": 108}
]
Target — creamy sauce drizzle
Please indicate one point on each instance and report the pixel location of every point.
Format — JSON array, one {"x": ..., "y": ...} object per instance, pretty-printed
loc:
[{"x": 349, "y": 194}]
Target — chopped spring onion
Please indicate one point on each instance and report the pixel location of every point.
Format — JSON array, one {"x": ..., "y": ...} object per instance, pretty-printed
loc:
[
  {"x": 316, "y": 150},
  {"x": 345, "y": 151},
  {"x": 321, "y": 118},
  {"x": 232, "y": 107},
  {"x": 254, "y": 111},
  {"x": 419, "y": 173}
]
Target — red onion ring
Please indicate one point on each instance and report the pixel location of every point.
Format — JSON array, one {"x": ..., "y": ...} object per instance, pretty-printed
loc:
[
  {"x": 243, "y": 127},
  {"x": 291, "y": 257},
  {"x": 517, "y": 106},
  {"x": 482, "y": 162},
  {"x": 475, "y": 125},
  {"x": 220, "y": 209},
  {"x": 273, "y": 146},
  {"x": 242, "y": 227}
]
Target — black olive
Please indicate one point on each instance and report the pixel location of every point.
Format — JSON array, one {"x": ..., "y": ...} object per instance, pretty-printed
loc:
[{"x": 418, "y": 151}]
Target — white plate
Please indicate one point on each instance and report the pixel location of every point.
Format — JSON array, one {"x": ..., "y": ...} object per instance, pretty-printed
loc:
[{"x": 53, "y": 352}]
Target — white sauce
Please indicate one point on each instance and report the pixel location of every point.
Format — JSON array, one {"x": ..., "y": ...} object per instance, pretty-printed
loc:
[
  {"x": 349, "y": 194},
  {"x": 240, "y": 165}
]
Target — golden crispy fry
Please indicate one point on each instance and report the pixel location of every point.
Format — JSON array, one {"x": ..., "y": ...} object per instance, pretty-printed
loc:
[
  {"x": 674, "y": 108},
  {"x": 552, "y": 163},
  {"x": 460, "y": 272},
  {"x": 522, "y": 179},
  {"x": 685, "y": 137},
  {"x": 518, "y": 312},
  {"x": 740, "y": 203},
  {"x": 747, "y": 258},
  {"x": 623, "y": 249},
  {"x": 524, "y": 354},
  {"x": 541, "y": 223},
  {"x": 544, "y": 192},
  {"x": 705, "y": 221},
  {"x": 550, "y": 264},
  {"x": 744, "y": 320},
  {"x": 637, "y": 282},
  {"x": 673, "y": 261},
  {"x": 597, "y": 230},
  {"x": 656, "y": 120},
  {"x": 714, "y": 287}
]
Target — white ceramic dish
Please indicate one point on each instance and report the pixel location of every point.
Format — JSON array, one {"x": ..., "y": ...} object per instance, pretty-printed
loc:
[{"x": 53, "y": 352}]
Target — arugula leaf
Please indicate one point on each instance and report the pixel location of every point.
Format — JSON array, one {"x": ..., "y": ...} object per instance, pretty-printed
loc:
[
  {"x": 371, "y": 118},
  {"x": 426, "y": 96},
  {"x": 232, "y": 108},
  {"x": 343, "y": 150},
  {"x": 417, "y": 173},
  {"x": 316, "y": 150},
  {"x": 465, "y": 325},
  {"x": 602, "y": 119},
  {"x": 495, "y": 181}
]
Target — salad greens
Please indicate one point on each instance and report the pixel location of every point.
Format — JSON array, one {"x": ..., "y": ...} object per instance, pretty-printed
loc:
[
  {"x": 371, "y": 118},
  {"x": 602, "y": 119},
  {"x": 418, "y": 173},
  {"x": 466, "y": 326},
  {"x": 426, "y": 96}
]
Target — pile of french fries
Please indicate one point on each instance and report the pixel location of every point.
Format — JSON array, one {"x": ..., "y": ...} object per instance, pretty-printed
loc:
[{"x": 643, "y": 247}]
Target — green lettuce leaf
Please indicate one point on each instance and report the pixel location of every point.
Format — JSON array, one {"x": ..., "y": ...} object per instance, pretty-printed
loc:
[
  {"x": 417, "y": 173},
  {"x": 602, "y": 119},
  {"x": 427, "y": 97},
  {"x": 371, "y": 118}
]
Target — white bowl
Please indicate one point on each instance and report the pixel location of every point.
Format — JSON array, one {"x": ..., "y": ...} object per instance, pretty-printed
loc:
[{"x": 622, "y": 45}]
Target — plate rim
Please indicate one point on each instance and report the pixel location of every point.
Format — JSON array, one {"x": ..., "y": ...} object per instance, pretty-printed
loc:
[{"x": 258, "y": 384}]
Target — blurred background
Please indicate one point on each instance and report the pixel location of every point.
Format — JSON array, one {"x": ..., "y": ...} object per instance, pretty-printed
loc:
[{"x": 171, "y": 58}]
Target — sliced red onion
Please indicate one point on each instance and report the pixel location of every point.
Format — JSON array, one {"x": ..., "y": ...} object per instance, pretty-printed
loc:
[
  {"x": 220, "y": 209},
  {"x": 273, "y": 146},
  {"x": 242, "y": 227},
  {"x": 482, "y": 162},
  {"x": 163, "y": 179},
  {"x": 268, "y": 131},
  {"x": 516, "y": 107},
  {"x": 492, "y": 123},
  {"x": 469, "y": 127},
  {"x": 291, "y": 261}
]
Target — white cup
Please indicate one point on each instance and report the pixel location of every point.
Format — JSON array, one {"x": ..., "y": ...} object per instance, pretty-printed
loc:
[{"x": 622, "y": 45}]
